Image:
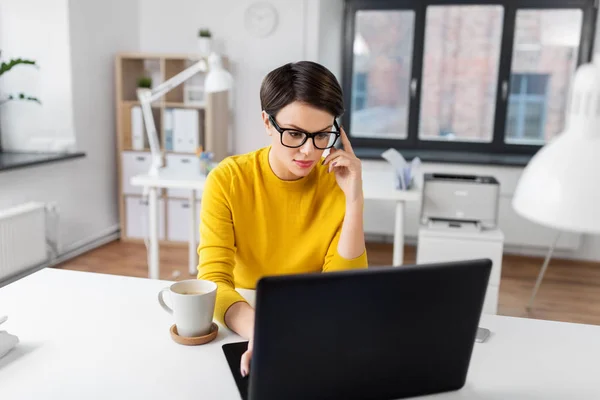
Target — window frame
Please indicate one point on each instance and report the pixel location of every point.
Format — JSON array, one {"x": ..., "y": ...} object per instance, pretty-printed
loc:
[{"x": 419, "y": 7}]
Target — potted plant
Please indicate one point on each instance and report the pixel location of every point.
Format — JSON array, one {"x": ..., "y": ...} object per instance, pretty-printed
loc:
[
  {"x": 144, "y": 82},
  {"x": 204, "y": 42},
  {"x": 4, "y": 68}
]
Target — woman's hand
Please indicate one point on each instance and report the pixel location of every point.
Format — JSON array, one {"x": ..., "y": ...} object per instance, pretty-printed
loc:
[
  {"x": 347, "y": 169},
  {"x": 246, "y": 357},
  {"x": 240, "y": 319}
]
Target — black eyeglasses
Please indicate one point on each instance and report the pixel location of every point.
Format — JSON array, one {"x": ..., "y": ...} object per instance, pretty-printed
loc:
[{"x": 294, "y": 138}]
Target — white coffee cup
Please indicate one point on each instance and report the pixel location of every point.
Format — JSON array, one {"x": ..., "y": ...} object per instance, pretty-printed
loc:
[{"x": 193, "y": 306}]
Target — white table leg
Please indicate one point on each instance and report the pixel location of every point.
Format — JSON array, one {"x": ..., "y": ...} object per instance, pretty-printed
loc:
[
  {"x": 399, "y": 235},
  {"x": 153, "y": 267},
  {"x": 192, "y": 259}
]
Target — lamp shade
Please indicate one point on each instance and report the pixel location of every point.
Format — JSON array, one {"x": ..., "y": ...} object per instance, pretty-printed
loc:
[
  {"x": 560, "y": 186},
  {"x": 218, "y": 79}
]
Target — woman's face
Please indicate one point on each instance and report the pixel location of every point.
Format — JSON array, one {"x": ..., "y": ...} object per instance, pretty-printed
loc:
[{"x": 295, "y": 163}]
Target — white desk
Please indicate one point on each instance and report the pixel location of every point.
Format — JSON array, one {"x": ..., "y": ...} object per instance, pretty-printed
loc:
[
  {"x": 192, "y": 183},
  {"x": 376, "y": 189},
  {"x": 92, "y": 336},
  {"x": 373, "y": 189}
]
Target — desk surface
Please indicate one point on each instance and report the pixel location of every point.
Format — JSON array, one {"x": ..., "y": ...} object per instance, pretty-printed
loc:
[
  {"x": 15, "y": 160},
  {"x": 170, "y": 180},
  {"x": 92, "y": 336},
  {"x": 374, "y": 186}
]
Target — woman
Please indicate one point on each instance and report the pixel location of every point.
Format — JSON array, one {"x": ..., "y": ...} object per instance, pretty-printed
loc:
[{"x": 283, "y": 209}]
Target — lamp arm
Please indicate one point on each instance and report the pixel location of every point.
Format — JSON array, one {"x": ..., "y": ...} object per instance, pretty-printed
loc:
[
  {"x": 147, "y": 96},
  {"x": 177, "y": 80},
  {"x": 145, "y": 103}
]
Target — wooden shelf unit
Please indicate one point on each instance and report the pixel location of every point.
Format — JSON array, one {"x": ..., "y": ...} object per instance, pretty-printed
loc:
[{"x": 213, "y": 116}]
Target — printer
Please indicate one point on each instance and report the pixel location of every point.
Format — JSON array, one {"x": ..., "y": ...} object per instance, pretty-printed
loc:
[{"x": 460, "y": 199}]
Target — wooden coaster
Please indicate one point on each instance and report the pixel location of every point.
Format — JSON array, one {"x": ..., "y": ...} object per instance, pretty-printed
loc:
[{"x": 195, "y": 341}]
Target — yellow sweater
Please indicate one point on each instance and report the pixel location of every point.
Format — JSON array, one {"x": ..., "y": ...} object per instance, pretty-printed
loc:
[{"x": 254, "y": 224}]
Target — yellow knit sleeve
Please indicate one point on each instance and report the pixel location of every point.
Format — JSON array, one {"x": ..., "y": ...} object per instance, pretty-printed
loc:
[
  {"x": 335, "y": 262},
  {"x": 217, "y": 243}
]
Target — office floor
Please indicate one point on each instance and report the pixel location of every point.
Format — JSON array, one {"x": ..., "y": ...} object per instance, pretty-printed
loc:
[{"x": 570, "y": 291}]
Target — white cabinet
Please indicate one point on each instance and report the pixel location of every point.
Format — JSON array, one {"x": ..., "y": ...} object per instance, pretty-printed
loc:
[
  {"x": 459, "y": 244},
  {"x": 133, "y": 163},
  {"x": 137, "y": 218},
  {"x": 185, "y": 165},
  {"x": 178, "y": 225}
]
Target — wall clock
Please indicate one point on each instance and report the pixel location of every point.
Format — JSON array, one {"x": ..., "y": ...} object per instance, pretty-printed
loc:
[{"x": 260, "y": 19}]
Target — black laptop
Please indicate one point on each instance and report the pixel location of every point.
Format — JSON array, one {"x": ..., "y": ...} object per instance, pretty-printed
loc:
[{"x": 380, "y": 333}]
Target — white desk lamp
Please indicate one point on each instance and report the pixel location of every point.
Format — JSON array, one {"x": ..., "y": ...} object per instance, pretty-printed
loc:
[
  {"x": 560, "y": 187},
  {"x": 217, "y": 79}
]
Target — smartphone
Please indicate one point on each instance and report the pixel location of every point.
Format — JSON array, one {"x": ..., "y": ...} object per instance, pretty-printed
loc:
[{"x": 482, "y": 335}]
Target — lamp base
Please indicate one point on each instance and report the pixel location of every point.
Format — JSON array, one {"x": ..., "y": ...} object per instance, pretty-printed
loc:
[
  {"x": 153, "y": 171},
  {"x": 156, "y": 165},
  {"x": 542, "y": 273}
]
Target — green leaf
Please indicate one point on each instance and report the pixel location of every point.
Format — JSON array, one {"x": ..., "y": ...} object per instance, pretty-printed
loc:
[
  {"x": 204, "y": 33},
  {"x": 5, "y": 67},
  {"x": 144, "y": 82},
  {"x": 21, "y": 96}
]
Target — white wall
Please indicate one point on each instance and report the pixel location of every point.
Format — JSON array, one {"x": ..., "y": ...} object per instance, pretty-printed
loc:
[
  {"x": 590, "y": 248},
  {"x": 24, "y": 24},
  {"x": 99, "y": 29},
  {"x": 251, "y": 58},
  {"x": 306, "y": 30},
  {"x": 84, "y": 189},
  {"x": 331, "y": 27}
]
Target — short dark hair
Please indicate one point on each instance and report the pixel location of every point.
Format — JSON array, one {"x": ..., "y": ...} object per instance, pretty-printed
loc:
[{"x": 304, "y": 81}]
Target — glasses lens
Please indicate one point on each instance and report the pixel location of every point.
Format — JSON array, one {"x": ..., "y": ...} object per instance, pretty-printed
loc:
[
  {"x": 324, "y": 140},
  {"x": 293, "y": 138}
]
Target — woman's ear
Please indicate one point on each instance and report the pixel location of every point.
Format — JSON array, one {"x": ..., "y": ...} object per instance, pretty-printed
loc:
[{"x": 266, "y": 122}]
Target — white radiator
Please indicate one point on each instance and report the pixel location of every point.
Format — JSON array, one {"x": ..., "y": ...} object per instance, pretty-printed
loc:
[{"x": 22, "y": 238}]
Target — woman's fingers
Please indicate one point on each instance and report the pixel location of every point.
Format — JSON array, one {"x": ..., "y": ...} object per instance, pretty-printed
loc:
[
  {"x": 346, "y": 141},
  {"x": 339, "y": 162},
  {"x": 245, "y": 363},
  {"x": 332, "y": 155},
  {"x": 246, "y": 358},
  {"x": 339, "y": 158}
]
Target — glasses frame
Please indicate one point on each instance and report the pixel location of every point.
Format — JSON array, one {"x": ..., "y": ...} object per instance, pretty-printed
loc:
[{"x": 307, "y": 135}]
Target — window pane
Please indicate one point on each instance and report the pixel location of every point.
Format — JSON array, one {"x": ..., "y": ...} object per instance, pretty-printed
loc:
[
  {"x": 460, "y": 72},
  {"x": 382, "y": 65},
  {"x": 534, "y": 121},
  {"x": 513, "y": 117},
  {"x": 545, "y": 52},
  {"x": 515, "y": 83},
  {"x": 536, "y": 84}
]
